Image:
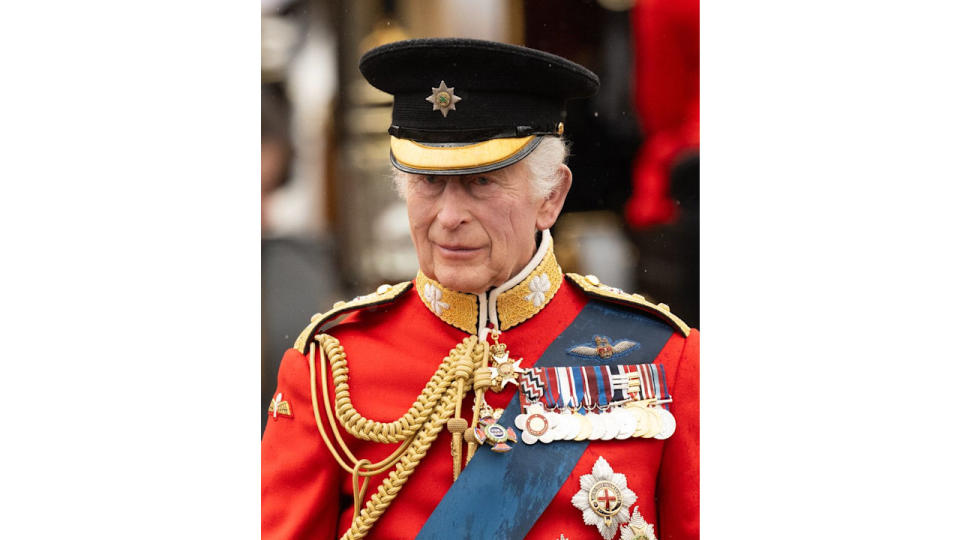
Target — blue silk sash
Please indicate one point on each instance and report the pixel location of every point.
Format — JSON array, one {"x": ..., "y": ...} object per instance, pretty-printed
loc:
[{"x": 501, "y": 496}]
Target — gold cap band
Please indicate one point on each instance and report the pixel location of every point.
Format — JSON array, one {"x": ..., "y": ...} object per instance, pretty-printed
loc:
[{"x": 421, "y": 158}]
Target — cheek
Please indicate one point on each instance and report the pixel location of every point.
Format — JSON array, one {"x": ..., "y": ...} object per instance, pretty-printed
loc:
[
  {"x": 420, "y": 218},
  {"x": 418, "y": 215}
]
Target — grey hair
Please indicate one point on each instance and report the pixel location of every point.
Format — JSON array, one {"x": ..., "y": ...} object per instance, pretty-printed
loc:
[{"x": 543, "y": 165}]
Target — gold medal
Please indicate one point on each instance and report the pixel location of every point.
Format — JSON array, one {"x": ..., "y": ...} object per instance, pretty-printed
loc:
[
  {"x": 656, "y": 423},
  {"x": 642, "y": 421},
  {"x": 585, "y": 428}
]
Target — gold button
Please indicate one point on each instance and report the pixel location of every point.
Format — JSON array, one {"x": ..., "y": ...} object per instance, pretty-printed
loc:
[
  {"x": 592, "y": 279},
  {"x": 663, "y": 306},
  {"x": 340, "y": 303},
  {"x": 560, "y": 128},
  {"x": 316, "y": 316},
  {"x": 383, "y": 289}
]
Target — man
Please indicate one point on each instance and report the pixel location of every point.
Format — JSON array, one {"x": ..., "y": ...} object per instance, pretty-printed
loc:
[{"x": 492, "y": 396}]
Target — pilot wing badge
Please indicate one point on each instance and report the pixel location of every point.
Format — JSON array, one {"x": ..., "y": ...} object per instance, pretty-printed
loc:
[{"x": 601, "y": 347}]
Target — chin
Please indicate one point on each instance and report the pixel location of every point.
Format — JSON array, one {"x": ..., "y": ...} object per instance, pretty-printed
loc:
[{"x": 461, "y": 280}]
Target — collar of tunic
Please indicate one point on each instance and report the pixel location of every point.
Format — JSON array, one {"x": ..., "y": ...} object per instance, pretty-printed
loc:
[{"x": 520, "y": 298}]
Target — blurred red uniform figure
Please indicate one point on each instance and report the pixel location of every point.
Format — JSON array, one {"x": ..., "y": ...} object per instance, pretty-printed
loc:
[{"x": 667, "y": 99}]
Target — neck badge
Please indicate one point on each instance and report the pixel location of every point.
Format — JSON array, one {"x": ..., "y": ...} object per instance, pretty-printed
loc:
[
  {"x": 505, "y": 369},
  {"x": 604, "y": 499}
]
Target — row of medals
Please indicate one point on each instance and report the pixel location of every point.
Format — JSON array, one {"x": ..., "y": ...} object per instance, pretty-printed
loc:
[{"x": 643, "y": 418}]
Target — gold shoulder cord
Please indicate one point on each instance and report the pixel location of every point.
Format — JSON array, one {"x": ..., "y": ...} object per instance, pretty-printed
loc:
[{"x": 416, "y": 429}]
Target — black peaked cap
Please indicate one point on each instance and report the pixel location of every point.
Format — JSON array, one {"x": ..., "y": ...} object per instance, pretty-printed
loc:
[{"x": 504, "y": 90}]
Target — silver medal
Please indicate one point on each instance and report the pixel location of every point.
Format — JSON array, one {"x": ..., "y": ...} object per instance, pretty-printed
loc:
[
  {"x": 610, "y": 426},
  {"x": 627, "y": 423},
  {"x": 668, "y": 424},
  {"x": 571, "y": 426},
  {"x": 596, "y": 425}
]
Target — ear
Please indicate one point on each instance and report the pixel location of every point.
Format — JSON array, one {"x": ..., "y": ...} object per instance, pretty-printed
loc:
[{"x": 553, "y": 203}]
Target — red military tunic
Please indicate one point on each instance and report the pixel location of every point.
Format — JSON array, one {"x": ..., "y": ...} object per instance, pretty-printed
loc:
[{"x": 392, "y": 350}]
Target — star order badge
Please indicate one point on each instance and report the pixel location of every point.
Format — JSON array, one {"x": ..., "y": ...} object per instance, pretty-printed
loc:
[
  {"x": 637, "y": 528},
  {"x": 443, "y": 99},
  {"x": 279, "y": 407},
  {"x": 604, "y": 499}
]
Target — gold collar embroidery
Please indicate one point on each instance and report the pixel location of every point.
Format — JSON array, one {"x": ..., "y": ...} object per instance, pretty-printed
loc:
[{"x": 517, "y": 300}]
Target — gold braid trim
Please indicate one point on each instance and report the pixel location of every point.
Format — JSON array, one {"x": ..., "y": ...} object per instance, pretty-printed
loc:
[
  {"x": 460, "y": 310},
  {"x": 429, "y": 413},
  {"x": 371, "y": 430},
  {"x": 593, "y": 288},
  {"x": 517, "y": 304}
]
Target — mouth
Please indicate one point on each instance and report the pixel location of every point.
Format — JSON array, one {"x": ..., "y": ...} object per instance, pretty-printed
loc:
[{"x": 457, "y": 251}]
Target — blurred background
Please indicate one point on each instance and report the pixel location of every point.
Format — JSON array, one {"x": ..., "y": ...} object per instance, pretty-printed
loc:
[{"x": 332, "y": 227}]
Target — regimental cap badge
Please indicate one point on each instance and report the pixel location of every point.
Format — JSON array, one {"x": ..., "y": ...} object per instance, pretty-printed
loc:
[
  {"x": 279, "y": 407},
  {"x": 604, "y": 499},
  {"x": 443, "y": 99}
]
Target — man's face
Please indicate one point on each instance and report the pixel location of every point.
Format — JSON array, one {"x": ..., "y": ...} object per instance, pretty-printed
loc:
[{"x": 473, "y": 232}]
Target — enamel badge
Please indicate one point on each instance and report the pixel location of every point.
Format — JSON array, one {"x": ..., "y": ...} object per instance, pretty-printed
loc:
[
  {"x": 537, "y": 425},
  {"x": 490, "y": 432},
  {"x": 505, "y": 369},
  {"x": 279, "y": 407},
  {"x": 604, "y": 499}
]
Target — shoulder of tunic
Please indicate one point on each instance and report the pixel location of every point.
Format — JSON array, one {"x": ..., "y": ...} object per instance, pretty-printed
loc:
[
  {"x": 592, "y": 287},
  {"x": 385, "y": 294}
]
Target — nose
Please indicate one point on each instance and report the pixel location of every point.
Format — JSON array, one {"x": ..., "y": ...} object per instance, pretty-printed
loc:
[{"x": 454, "y": 205}]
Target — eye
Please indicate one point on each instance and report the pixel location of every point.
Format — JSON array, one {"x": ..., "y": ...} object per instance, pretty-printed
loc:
[
  {"x": 430, "y": 179},
  {"x": 481, "y": 181}
]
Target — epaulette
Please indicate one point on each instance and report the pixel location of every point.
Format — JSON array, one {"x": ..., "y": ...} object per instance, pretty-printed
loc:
[
  {"x": 383, "y": 295},
  {"x": 592, "y": 287}
]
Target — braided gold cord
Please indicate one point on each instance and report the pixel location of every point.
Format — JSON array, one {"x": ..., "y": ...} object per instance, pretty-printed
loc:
[
  {"x": 384, "y": 432},
  {"x": 418, "y": 428},
  {"x": 391, "y": 486},
  {"x": 374, "y": 469},
  {"x": 481, "y": 381}
]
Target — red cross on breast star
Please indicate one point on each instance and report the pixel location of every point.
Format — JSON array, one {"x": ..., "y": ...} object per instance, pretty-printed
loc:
[{"x": 606, "y": 498}]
